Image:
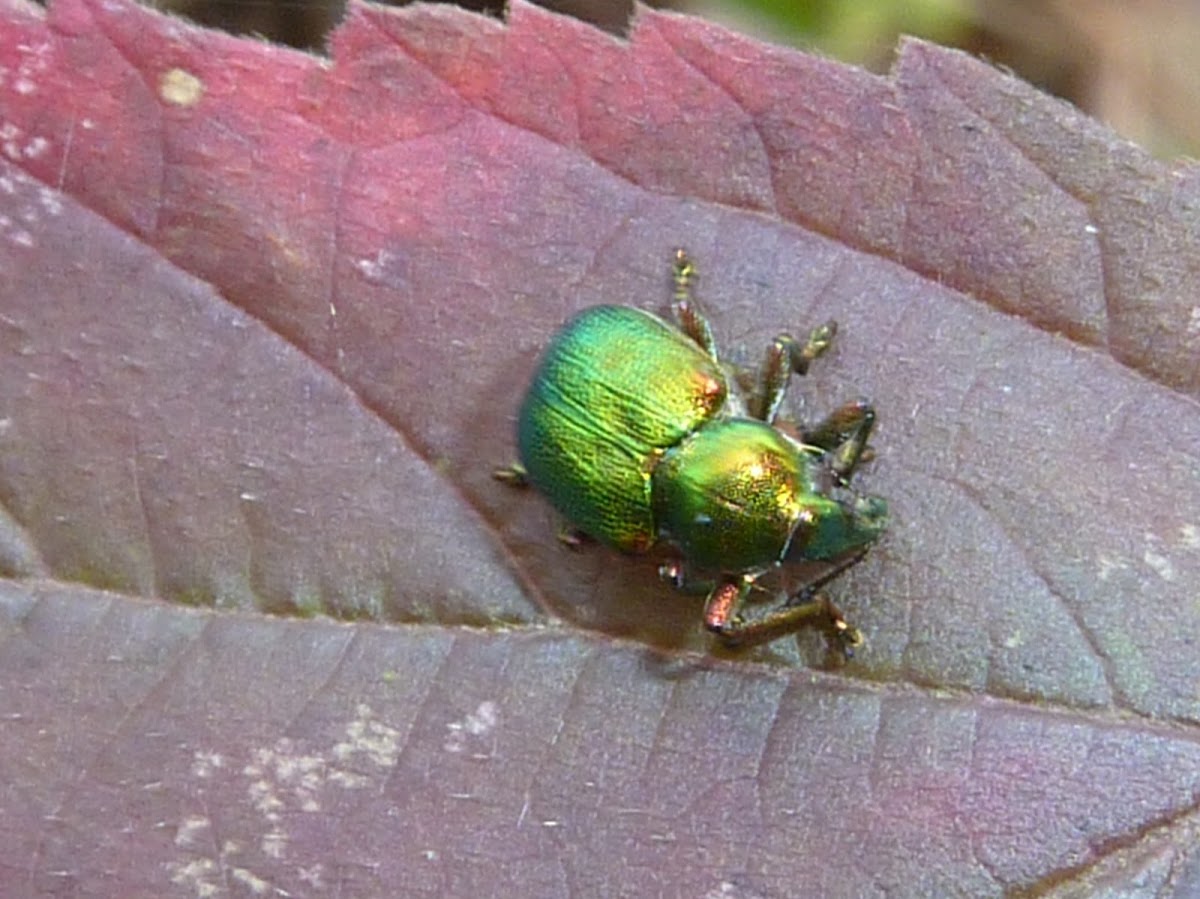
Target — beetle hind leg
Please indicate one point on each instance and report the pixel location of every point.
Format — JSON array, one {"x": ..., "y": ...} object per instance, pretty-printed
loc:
[
  {"x": 573, "y": 538},
  {"x": 513, "y": 475}
]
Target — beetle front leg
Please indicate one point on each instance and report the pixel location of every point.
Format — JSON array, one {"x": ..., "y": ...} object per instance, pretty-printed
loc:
[
  {"x": 785, "y": 356},
  {"x": 722, "y": 617},
  {"x": 691, "y": 320},
  {"x": 844, "y": 434}
]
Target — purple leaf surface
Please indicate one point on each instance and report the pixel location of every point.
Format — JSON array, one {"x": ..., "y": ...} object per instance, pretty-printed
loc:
[{"x": 267, "y": 624}]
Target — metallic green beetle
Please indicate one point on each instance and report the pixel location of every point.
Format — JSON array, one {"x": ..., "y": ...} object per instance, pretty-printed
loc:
[{"x": 637, "y": 435}]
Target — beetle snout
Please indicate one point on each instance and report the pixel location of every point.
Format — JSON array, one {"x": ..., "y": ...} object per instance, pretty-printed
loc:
[
  {"x": 870, "y": 514},
  {"x": 864, "y": 517}
]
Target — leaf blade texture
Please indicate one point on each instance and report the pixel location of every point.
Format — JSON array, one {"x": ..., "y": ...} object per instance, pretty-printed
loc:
[{"x": 267, "y": 621}]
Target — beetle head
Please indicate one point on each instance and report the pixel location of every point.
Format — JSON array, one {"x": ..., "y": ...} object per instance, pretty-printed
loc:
[{"x": 834, "y": 523}]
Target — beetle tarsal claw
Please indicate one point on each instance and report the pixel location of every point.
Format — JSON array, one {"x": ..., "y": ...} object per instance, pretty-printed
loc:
[
  {"x": 671, "y": 573},
  {"x": 513, "y": 475},
  {"x": 849, "y": 638},
  {"x": 571, "y": 538},
  {"x": 684, "y": 267},
  {"x": 848, "y": 635}
]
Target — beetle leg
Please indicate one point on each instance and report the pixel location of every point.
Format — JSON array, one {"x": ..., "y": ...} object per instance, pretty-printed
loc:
[
  {"x": 674, "y": 573},
  {"x": 572, "y": 537},
  {"x": 810, "y": 605},
  {"x": 722, "y": 618},
  {"x": 514, "y": 475},
  {"x": 844, "y": 434},
  {"x": 691, "y": 320},
  {"x": 720, "y": 609},
  {"x": 785, "y": 356}
]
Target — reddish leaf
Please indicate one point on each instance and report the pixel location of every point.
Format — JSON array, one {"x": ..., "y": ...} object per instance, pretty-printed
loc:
[{"x": 263, "y": 329}]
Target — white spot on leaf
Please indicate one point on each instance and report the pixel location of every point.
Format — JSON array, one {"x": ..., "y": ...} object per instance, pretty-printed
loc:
[
  {"x": 204, "y": 763},
  {"x": 189, "y": 828},
  {"x": 1107, "y": 566},
  {"x": 180, "y": 87},
  {"x": 1160, "y": 564},
  {"x": 35, "y": 147},
  {"x": 282, "y": 781},
  {"x": 477, "y": 724}
]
